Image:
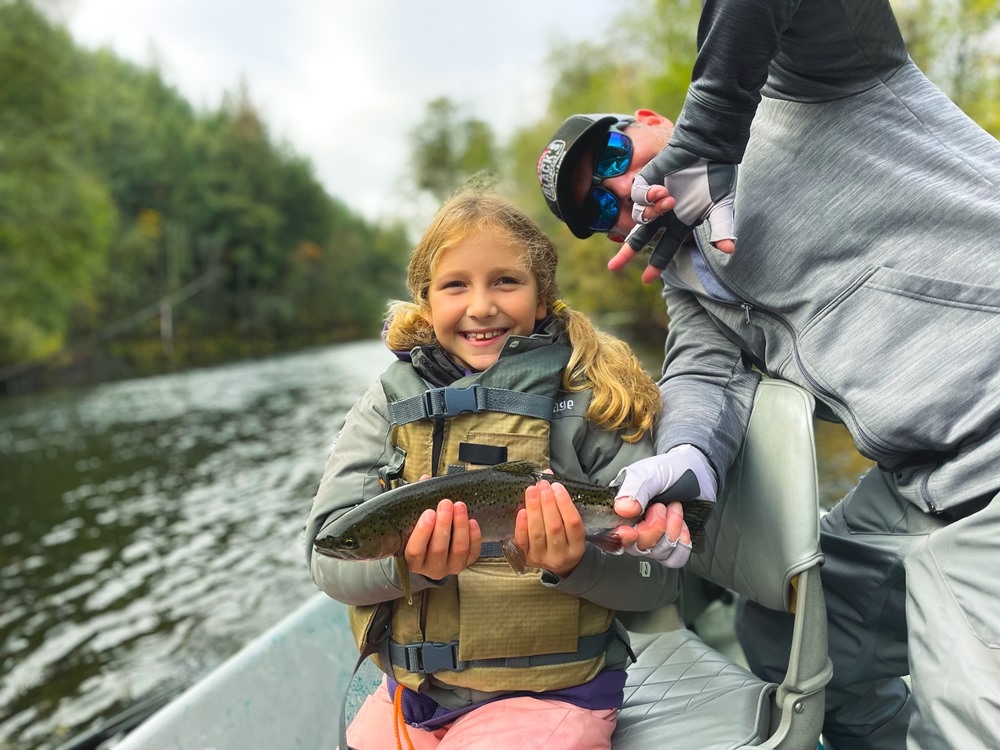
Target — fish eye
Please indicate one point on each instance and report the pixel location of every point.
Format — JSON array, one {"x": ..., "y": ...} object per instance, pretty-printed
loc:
[{"x": 350, "y": 542}]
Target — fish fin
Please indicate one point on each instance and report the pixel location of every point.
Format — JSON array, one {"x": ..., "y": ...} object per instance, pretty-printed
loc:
[
  {"x": 403, "y": 571},
  {"x": 608, "y": 540},
  {"x": 521, "y": 468},
  {"x": 514, "y": 556},
  {"x": 565, "y": 480},
  {"x": 697, "y": 538},
  {"x": 696, "y": 515}
]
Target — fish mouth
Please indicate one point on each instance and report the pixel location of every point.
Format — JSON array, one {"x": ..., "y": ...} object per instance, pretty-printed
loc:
[{"x": 478, "y": 337}]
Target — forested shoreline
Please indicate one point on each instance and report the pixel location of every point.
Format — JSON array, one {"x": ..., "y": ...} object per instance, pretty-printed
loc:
[{"x": 138, "y": 235}]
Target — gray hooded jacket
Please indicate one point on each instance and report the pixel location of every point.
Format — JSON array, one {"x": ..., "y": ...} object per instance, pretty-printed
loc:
[{"x": 867, "y": 260}]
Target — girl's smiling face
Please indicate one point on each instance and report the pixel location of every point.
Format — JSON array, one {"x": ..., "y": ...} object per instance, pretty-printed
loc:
[{"x": 481, "y": 293}]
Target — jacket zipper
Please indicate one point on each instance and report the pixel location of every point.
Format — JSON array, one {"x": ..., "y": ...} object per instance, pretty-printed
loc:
[
  {"x": 747, "y": 307},
  {"x": 873, "y": 446}
]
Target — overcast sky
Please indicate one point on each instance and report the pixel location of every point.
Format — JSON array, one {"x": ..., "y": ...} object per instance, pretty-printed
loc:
[{"x": 344, "y": 83}]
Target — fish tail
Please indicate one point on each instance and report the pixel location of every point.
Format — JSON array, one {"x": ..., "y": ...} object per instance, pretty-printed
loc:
[
  {"x": 608, "y": 540},
  {"x": 696, "y": 514},
  {"x": 697, "y": 539}
]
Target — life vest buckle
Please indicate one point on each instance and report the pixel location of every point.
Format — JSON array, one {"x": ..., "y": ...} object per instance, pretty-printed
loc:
[
  {"x": 451, "y": 401},
  {"x": 430, "y": 657}
]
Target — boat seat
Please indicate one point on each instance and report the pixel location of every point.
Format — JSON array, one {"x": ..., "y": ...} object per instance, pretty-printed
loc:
[{"x": 763, "y": 544}]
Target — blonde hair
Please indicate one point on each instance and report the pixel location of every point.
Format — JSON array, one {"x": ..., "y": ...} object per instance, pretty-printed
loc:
[{"x": 625, "y": 398}]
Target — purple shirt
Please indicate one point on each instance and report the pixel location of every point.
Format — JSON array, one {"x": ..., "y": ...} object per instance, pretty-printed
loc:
[{"x": 607, "y": 690}]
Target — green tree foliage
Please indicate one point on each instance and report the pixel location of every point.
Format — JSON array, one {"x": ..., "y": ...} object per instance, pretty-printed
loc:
[
  {"x": 367, "y": 268},
  {"x": 135, "y": 131},
  {"x": 160, "y": 235},
  {"x": 955, "y": 43},
  {"x": 449, "y": 147},
  {"x": 56, "y": 217}
]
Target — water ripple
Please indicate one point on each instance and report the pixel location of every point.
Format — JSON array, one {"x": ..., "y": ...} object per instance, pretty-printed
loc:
[{"x": 152, "y": 527}]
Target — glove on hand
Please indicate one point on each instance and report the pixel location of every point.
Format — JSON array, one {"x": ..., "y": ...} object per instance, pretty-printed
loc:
[
  {"x": 702, "y": 190},
  {"x": 683, "y": 473}
]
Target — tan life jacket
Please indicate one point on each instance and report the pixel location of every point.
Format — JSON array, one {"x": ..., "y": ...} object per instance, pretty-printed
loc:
[{"x": 487, "y": 628}]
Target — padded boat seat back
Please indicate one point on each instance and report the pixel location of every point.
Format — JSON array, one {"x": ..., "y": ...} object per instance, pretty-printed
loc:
[{"x": 763, "y": 543}]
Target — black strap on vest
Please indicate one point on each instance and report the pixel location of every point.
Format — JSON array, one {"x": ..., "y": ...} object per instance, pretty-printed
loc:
[
  {"x": 429, "y": 657},
  {"x": 452, "y": 401},
  {"x": 491, "y": 549},
  {"x": 437, "y": 443},
  {"x": 482, "y": 455}
]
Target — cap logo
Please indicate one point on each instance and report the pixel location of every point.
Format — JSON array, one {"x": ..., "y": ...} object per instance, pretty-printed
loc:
[{"x": 548, "y": 168}]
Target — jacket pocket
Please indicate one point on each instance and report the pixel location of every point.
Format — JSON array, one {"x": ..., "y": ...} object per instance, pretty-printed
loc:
[{"x": 911, "y": 358}]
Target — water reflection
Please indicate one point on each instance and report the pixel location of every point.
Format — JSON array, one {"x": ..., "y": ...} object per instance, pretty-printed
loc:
[
  {"x": 839, "y": 463},
  {"x": 152, "y": 527}
]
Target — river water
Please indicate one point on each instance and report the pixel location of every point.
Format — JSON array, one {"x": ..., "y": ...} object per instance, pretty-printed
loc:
[{"x": 152, "y": 527}]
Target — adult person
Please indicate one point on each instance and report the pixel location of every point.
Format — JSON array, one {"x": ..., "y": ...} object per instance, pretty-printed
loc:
[{"x": 865, "y": 270}]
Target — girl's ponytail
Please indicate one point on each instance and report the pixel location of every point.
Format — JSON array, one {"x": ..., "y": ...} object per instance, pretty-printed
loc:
[{"x": 625, "y": 397}]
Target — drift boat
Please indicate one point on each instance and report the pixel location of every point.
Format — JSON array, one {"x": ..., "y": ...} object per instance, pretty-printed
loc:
[{"x": 285, "y": 689}]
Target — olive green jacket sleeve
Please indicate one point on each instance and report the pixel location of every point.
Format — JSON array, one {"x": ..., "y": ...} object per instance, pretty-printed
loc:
[
  {"x": 622, "y": 582},
  {"x": 350, "y": 478}
]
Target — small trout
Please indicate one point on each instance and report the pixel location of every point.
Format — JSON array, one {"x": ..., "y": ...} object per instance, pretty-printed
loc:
[{"x": 381, "y": 526}]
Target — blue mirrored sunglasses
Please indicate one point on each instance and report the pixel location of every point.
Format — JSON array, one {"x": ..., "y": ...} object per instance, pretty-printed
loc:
[{"x": 611, "y": 159}]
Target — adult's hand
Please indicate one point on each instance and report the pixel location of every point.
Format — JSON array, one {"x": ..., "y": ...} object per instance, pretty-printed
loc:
[
  {"x": 444, "y": 542},
  {"x": 550, "y": 529},
  {"x": 661, "y": 534},
  {"x": 697, "y": 188},
  {"x": 682, "y": 473}
]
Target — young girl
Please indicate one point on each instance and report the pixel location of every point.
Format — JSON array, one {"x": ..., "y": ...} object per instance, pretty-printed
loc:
[{"x": 484, "y": 657}]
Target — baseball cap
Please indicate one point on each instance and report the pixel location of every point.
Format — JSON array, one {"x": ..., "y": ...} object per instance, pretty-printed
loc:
[{"x": 558, "y": 160}]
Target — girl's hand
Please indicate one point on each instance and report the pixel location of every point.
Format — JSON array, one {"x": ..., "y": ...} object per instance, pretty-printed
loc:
[
  {"x": 444, "y": 542},
  {"x": 550, "y": 530}
]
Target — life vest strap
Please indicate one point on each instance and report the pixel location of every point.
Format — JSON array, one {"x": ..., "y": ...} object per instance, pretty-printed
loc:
[
  {"x": 429, "y": 657},
  {"x": 491, "y": 549},
  {"x": 452, "y": 401}
]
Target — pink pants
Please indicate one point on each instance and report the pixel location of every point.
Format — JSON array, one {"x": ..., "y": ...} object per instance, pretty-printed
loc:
[{"x": 522, "y": 723}]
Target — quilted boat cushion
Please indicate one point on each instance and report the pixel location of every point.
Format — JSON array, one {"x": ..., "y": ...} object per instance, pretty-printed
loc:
[{"x": 683, "y": 695}]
